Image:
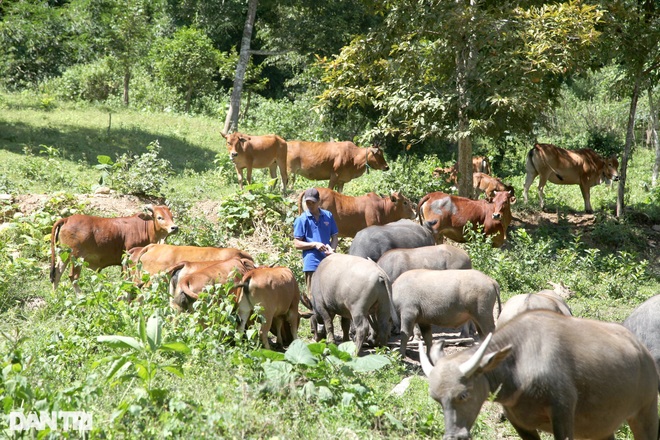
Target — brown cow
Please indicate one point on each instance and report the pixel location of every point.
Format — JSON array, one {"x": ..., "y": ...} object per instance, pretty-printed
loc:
[
  {"x": 453, "y": 212},
  {"x": 480, "y": 164},
  {"x": 157, "y": 258},
  {"x": 101, "y": 241},
  {"x": 276, "y": 290},
  {"x": 483, "y": 183},
  {"x": 353, "y": 214},
  {"x": 582, "y": 167},
  {"x": 188, "y": 278},
  {"x": 339, "y": 162},
  {"x": 250, "y": 152}
]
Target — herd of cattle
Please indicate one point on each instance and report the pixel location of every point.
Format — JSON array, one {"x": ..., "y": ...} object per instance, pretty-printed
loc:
[{"x": 550, "y": 371}]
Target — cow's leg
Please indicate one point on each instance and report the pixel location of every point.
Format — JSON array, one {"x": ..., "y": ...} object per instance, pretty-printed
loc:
[
  {"x": 329, "y": 326},
  {"x": 346, "y": 329},
  {"x": 407, "y": 323},
  {"x": 248, "y": 175},
  {"x": 76, "y": 268},
  {"x": 586, "y": 195},
  {"x": 542, "y": 182},
  {"x": 58, "y": 270},
  {"x": 529, "y": 179},
  {"x": 644, "y": 425},
  {"x": 427, "y": 334},
  {"x": 244, "y": 311},
  {"x": 283, "y": 172},
  {"x": 334, "y": 181},
  {"x": 265, "y": 328},
  {"x": 273, "y": 172},
  {"x": 361, "y": 324},
  {"x": 239, "y": 174},
  {"x": 525, "y": 434},
  {"x": 293, "y": 319}
]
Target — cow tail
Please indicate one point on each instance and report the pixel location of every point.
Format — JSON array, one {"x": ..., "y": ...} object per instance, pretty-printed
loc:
[
  {"x": 388, "y": 286},
  {"x": 420, "y": 215},
  {"x": 243, "y": 290},
  {"x": 499, "y": 301},
  {"x": 54, "y": 236},
  {"x": 300, "y": 202}
]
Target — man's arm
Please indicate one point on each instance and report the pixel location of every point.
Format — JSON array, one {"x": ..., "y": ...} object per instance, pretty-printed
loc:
[{"x": 303, "y": 245}]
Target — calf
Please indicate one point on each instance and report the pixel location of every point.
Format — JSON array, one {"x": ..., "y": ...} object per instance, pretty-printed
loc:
[
  {"x": 352, "y": 214},
  {"x": 276, "y": 290},
  {"x": 188, "y": 279},
  {"x": 157, "y": 258},
  {"x": 452, "y": 213},
  {"x": 250, "y": 152},
  {"x": 575, "y": 378},
  {"x": 483, "y": 183},
  {"x": 101, "y": 241}
]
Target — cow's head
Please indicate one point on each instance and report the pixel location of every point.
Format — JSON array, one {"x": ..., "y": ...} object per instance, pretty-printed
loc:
[
  {"x": 502, "y": 201},
  {"x": 611, "y": 169},
  {"x": 163, "y": 221},
  {"x": 458, "y": 383},
  {"x": 376, "y": 159},
  {"x": 236, "y": 143},
  {"x": 403, "y": 205}
]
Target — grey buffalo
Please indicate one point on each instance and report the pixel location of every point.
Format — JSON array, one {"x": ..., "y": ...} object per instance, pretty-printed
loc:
[
  {"x": 644, "y": 322},
  {"x": 572, "y": 377},
  {"x": 448, "y": 298},
  {"x": 372, "y": 242},
  {"x": 545, "y": 300},
  {"x": 352, "y": 287},
  {"x": 441, "y": 257}
]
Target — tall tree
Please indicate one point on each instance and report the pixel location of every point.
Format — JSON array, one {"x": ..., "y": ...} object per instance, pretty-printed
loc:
[
  {"x": 464, "y": 67},
  {"x": 633, "y": 40},
  {"x": 231, "y": 122}
]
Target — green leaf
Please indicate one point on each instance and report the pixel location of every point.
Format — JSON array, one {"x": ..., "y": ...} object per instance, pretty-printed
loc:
[
  {"x": 369, "y": 363},
  {"x": 142, "y": 329},
  {"x": 268, "y": 354},
  {"x": 280, "y": 374},
  {"x": 348, "y": 347},
  {"x": 342, "y": 353},
  {"x": 347, "y": 398},
  {"x": 324, "y": 393},
  {"x": 178, "y": 347},
  {"x": 116, "y": 341},
  {"x": 104, "y": 160},
  {"x": 298, "y": 353},
  {"x": 115, "y": 367},
  {"x": 154, "y": 331},
  {"x": 318, "y": 348},
  {"x": 174, "y": 370}
]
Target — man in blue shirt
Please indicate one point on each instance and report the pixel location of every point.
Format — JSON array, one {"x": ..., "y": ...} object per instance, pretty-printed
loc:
[{"x": 314, "y": 233}]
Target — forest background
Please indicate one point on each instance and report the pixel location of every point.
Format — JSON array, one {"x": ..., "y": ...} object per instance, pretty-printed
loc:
[{"x": 134, "y": 95}]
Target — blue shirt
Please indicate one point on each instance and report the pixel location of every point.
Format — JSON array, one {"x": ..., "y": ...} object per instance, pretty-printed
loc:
[{"x": 307, "y": 228}]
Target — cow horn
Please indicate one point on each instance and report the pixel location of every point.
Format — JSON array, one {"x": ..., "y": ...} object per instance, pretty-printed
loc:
[
  {"x": 223, "y": 134},
  {"x": 470, "y": 366}
]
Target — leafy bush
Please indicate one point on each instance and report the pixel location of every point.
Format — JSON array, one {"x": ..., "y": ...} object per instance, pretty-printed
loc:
[
  {"x": 144, "y": 175},
  {"x": 96, "y": 81}
]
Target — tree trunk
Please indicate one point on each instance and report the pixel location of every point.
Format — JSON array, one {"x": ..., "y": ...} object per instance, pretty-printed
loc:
[
  {"x": 189, "y": 94},
  {"x": 654, "y": 137},
  {"x": 231, "y": 123},
  {"x": 127, "y": 80},
  {"x": 465, "y": 61},
  {"x": 630, "y": 135}
]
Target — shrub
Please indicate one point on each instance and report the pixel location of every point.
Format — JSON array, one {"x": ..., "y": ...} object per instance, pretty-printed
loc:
[
  {"x": 144, "y": 175},
  {"x": 95, "y": 81}
]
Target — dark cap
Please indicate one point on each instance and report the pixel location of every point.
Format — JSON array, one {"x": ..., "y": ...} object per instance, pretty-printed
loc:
[{"x": 312, "y": 194}]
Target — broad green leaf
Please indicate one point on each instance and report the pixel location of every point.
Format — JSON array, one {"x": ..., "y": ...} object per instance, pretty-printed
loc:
[
  {"x": 348, "y": 347},
  {"x": 141, "y": 371},
  {"x": 342, "y": 352},
  {"x": 369, "y": 363},
  {"x": 268, "y": 354},
  {"x": 280, "y": 374},
  {"x": 308, "y": 391},
  {"x": 115, "y": 367},
  {"x": 298, "y": 353},
  {"x": 154, "y": 331},
  {"x": 104, "y": 160},
  {"x": 178, "y": 347},
  {"x": 324, "y": 393},
  {"x": 347, "y": 398},
  {"x": 142, "y": 329},
  {"x": 173, "y": 370},
  {"x": 317, "y": 348},
  {"x": 117, "y": 341}
]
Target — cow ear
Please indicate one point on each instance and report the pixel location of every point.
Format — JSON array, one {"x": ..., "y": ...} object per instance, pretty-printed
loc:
[
  {"x": 147, "y": 212},
  {"x": 492, "y": 360},
  {"x": 244, "y": 138},
  {"x": 512, "y": 200},
  {"x": 394, "y": 196}
]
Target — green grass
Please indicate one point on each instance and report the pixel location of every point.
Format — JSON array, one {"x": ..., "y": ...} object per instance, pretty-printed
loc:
[{"x": 52, "y": 147}]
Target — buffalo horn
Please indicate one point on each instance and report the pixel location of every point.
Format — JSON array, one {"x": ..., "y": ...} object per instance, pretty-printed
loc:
[{"x": 470, "y": 366}]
